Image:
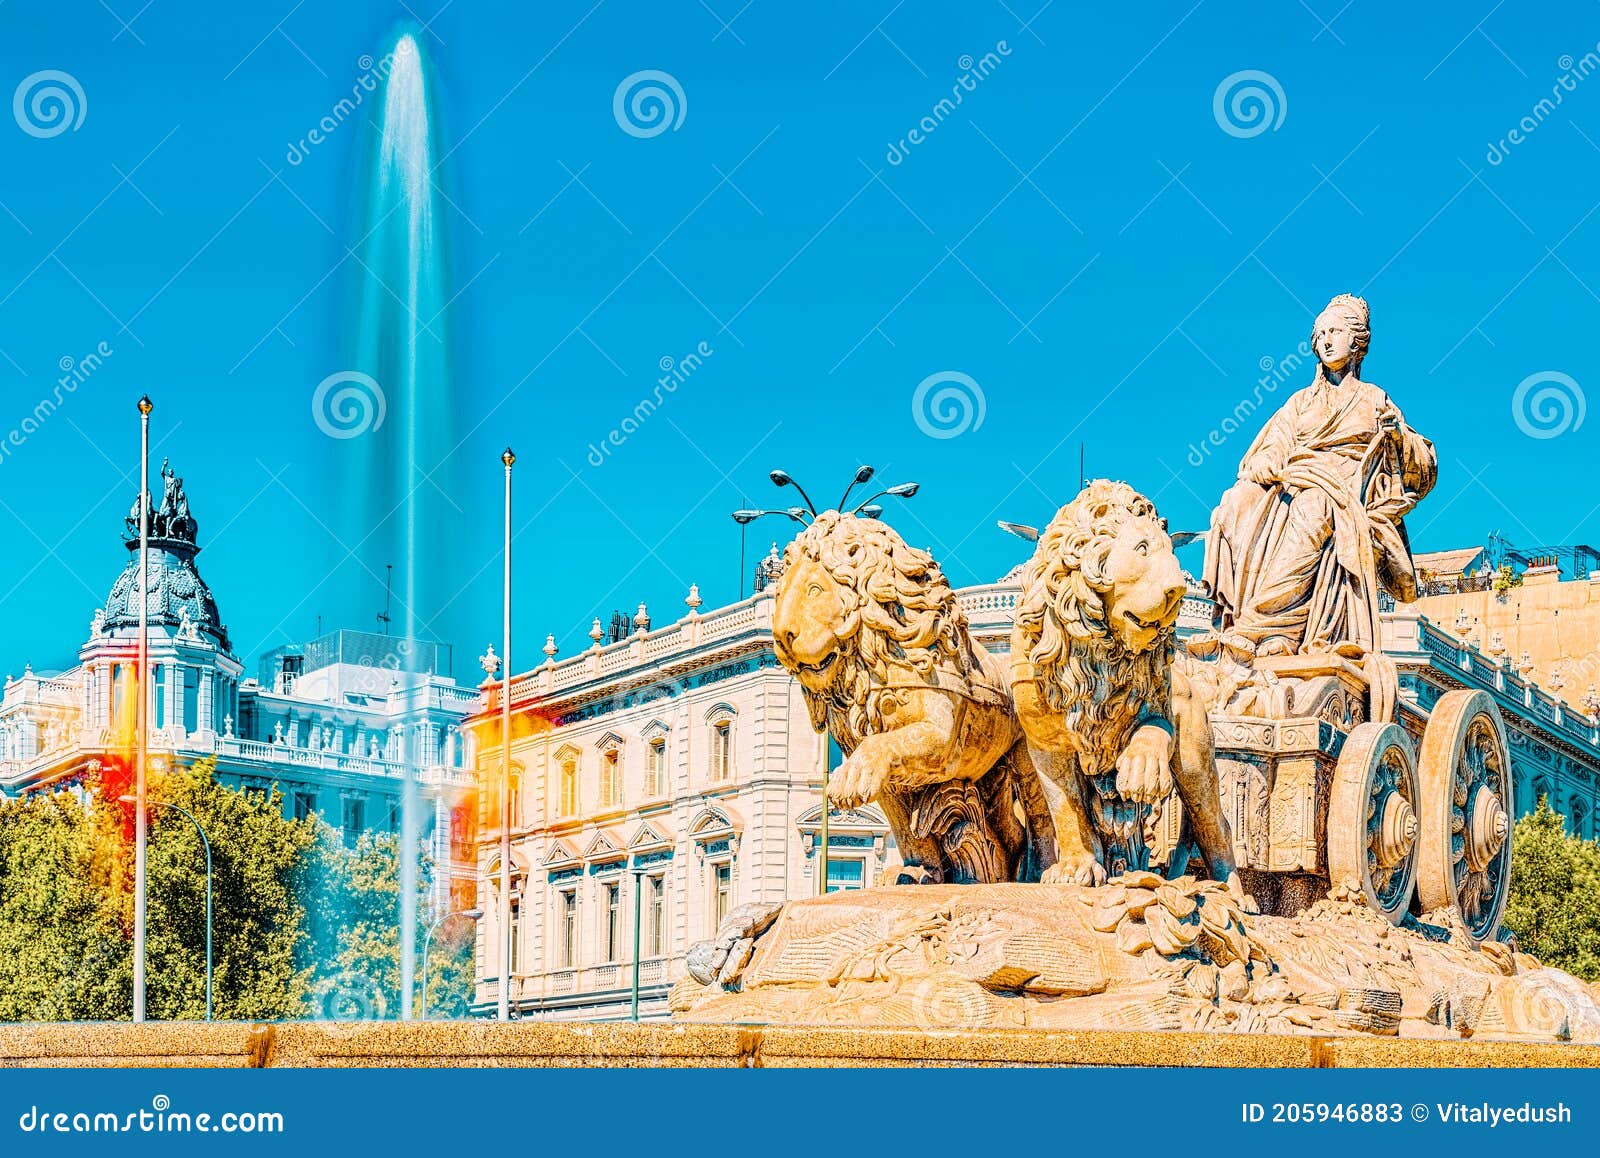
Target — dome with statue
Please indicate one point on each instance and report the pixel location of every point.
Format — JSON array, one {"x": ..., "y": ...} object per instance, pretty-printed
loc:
[{"x": 178, "y": 597}]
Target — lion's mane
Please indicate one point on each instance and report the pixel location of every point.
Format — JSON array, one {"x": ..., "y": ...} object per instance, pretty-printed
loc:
[
  {"x": 902, "y": 623},
  {"x": 1082, "y": 667}
]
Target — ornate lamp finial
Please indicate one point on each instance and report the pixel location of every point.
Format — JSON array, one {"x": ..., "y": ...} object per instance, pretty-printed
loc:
[
  {"x": 508, "y": 458},
  {"x": 146, "y": 406}
]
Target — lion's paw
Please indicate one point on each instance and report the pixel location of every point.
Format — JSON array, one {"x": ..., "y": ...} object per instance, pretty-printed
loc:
[{"x": 1089, "y": 873}]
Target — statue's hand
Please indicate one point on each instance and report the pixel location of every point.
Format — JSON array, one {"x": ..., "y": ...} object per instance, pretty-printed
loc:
[
  {"x": 1264, "y": 469},
  {"x": 1144, "y": 770}
]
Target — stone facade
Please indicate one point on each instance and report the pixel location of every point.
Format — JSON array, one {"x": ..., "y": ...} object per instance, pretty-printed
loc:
[{"x": 674, "y": 769}]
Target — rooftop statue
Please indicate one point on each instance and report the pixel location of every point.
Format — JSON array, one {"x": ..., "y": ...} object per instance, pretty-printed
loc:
[{"x": 1312, "y": 532}]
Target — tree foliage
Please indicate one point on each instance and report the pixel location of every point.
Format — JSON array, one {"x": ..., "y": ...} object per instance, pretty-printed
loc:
[
  {"x": 1554, "y": 900},
  {"x": 303, "y": 925}
]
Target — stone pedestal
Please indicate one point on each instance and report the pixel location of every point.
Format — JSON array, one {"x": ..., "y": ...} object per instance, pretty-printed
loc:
[{"x": 1138, "y": 954}]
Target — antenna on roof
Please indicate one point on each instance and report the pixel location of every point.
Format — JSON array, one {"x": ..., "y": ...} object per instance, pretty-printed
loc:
[{"x": 388, "y": 576}]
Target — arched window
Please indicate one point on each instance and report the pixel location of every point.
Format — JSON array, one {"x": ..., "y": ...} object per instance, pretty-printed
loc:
[
  {"x": 720, "y": 746},
  {"x": 1580, "y": 819}
]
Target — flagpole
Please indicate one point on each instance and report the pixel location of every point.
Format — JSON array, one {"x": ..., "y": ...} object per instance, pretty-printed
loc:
[
  {"x": 504, "y": 1012},
  {"x": 141, "y": 803}
]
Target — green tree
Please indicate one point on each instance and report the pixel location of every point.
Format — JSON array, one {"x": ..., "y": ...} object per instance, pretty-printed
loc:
[
  {"x": 304, "y": 926},
  {"x": 260, "y": 910},
  {"x": 1554, "y": 901},
  {"x": 63, "y": 947}
]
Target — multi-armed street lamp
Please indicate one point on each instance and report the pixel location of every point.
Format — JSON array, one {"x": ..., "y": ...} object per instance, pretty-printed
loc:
[
  {"x": 469, "y": 914},
  {"x": 803, "y": 516}
]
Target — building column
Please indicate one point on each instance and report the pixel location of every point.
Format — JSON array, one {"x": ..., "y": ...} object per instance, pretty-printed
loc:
[
  {"x": 173, "y": 676},
  {"x": 205, "y": 714}
]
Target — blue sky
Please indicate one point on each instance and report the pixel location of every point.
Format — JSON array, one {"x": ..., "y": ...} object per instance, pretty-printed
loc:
[{"x": 1082, "y": 237}]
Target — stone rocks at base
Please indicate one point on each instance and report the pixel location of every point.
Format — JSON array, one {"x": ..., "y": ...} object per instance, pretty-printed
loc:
[{"x": 1138, "y": 953}]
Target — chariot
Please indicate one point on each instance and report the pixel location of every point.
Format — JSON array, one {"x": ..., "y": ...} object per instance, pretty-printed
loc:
[{"x": 1414, "y": 815}]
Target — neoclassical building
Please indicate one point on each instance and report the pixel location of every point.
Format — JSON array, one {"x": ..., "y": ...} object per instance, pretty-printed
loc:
[
  {"x": 677, "y": 765},
  {"x": 671, "y": 774},
  {"x": 335, "y": 723}
]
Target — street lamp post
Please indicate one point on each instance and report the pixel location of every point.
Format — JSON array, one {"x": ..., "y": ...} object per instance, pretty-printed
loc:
[
  {"x": 205, "y": 842},
  {"x": 638, "y": 898},
  {"x": 141, "y": 812},
  {"x": 504, "y": 907},
  {"x": 469, "y": 914}
]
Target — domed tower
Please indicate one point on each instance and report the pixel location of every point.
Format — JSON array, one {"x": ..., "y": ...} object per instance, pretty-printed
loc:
[{"x": 195, "y": 676}]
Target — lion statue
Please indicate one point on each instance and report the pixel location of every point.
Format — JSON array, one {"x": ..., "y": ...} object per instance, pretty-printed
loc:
[
  {"x": 872, "y": 631},
  {"x": 1110, "y": 723}
]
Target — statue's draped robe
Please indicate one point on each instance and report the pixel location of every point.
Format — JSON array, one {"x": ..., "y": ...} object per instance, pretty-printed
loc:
[{"x": 1304, "y": 558}]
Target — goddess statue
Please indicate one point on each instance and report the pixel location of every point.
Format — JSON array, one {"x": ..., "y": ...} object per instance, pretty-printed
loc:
[{"x": 1313, "y": 530}]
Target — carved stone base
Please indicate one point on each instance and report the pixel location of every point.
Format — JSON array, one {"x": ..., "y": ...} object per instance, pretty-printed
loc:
[{"x": 1139, "y": 953}]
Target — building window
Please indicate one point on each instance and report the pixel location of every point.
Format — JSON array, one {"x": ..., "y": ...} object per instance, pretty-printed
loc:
[
  {"x": 516, "y": 937},
  {"x": 568, "y": 942},
  {"x": 158, "y": 680},
  {"x": 614, "y": 921},
  {"x": 611, "y": 778},
  {"x": 353, "y": 819},
  {"x": 656, "y": 894},
  {"x": 655, "y": 768},
  {"x": 569, "y": 786},
  {"x": 721, "y": 892},
  {"x": 305, "y": 803},
  {"x": 516, "y": 802},
  {"x": 846, "y": 874},
  {"x": 721, "y": 750}
]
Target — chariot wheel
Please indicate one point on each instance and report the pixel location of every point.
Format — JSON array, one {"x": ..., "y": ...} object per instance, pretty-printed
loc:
[
  {"x": 1372, "y": 818},
  {"x": 1467, "y": 797}
]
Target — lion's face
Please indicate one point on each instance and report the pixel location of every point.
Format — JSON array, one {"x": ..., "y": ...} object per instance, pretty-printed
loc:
[
  {"x": 812, "y": 626},
  {"x": 1144, "y": 584}
]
